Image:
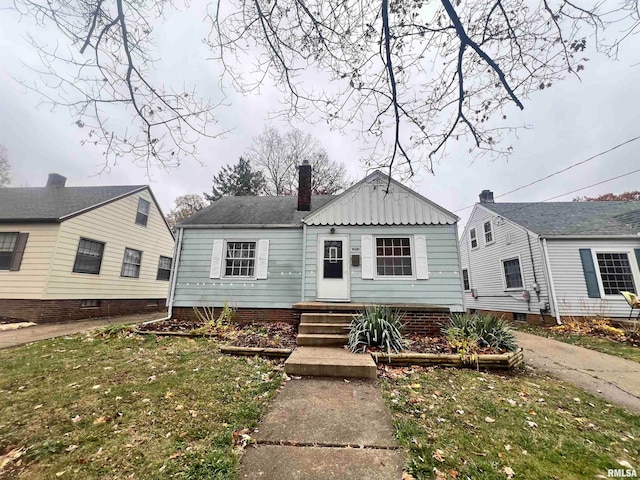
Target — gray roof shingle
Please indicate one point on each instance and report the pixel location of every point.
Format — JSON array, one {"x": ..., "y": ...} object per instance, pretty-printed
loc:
[
  {"x": 280, "y": 210},
  {"x": 573, "y": 218},
  {"x": 51, "y": 204}
]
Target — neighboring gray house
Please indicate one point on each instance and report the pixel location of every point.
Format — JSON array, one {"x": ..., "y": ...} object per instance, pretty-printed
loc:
[
  {"x": 378, "y": 242},
  {"x": 551, "y": 260}
]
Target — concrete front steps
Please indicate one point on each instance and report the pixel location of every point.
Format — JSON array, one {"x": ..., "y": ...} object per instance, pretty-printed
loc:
[
  {"x": 329, "y": 362},
  {"x": 323, "y": 329}
]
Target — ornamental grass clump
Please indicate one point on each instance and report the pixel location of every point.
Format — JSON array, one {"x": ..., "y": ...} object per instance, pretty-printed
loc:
[
  {"x": 376, "y": 326},
  {"x": 485, "y": 330}
]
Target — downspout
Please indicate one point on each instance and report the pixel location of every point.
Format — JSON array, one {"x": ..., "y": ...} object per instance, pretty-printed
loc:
[
  {"x": 304, "y": 260},
  {"x": 552, "y": 288},
  {"x": 177, "y": 249}
]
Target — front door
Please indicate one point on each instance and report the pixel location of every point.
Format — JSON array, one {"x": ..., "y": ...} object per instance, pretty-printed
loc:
[{"x": 333, "y": 268}]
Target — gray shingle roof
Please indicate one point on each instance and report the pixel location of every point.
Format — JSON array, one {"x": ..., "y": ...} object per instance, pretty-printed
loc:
[
  {"x": 50, "y": 204},
  {"x": 281, "y": 210},
  {"x": 573, "y": 218}
]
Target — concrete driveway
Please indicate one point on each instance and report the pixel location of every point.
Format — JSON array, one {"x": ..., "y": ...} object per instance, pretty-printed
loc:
[
  {"x": 13, "y": 338},
  {"x": 614, "y": 378}
]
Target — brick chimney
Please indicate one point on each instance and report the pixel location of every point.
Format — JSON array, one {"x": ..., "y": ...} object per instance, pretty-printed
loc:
[
  {"x": 486, "y": 196},
  {"x": 56, "y": 180},
  {"x": 304, "y": 186}
]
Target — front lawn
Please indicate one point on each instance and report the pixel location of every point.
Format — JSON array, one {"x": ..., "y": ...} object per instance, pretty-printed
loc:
[
  {"x": 466, "y": 424},
  {"x": 598, "y": 343},
  {"x": 127, "y": 406}
]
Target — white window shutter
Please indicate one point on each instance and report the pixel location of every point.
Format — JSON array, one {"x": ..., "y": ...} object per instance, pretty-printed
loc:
[
  {"x": 216, "y": 259},
  {"x": 366, "y": 249},
  {"x": 263, "y": 259},
  {"x": 422, "y": 267}
]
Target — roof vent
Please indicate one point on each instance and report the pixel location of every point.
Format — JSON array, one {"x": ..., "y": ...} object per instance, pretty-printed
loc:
[
  {"x": 56, "y": 180},
  {"x": 486, "y": 196}
]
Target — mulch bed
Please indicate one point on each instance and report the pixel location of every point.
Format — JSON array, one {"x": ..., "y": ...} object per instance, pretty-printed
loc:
[
  {"x": 262, "y": 335},
  {"x": 418, "y": 344}
]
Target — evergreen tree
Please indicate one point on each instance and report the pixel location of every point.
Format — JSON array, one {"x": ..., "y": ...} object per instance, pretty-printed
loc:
[{"x": 238, "y": 180}]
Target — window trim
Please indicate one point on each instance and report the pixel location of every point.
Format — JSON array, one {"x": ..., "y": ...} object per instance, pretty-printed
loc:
[
  {"x": 412, "y": 251},
  {"x": 223, "y": 269},
  {"x": 75, "y": 259},
  {"x": 632, "y": 263},
  {"x": 468, "y": 287},
  {"x": 164, "y": 269},
  {"x": 473, "y": 237},
  {"x": 504, "y": 277},
  {"x": 148, "y": 214},
  {"x": 122, "y": 275},
  {"x": 13, "y": 251},
  {"x": 491, "y": 231}
]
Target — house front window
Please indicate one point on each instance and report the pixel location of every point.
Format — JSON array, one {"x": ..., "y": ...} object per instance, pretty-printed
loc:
[
  {"x": 488, "y": 233},
  {"x": 512, "y": 273},
  {"x": 473, "y": 237},
  {"x": 465, "y": 280},
  {"x": 7, "y": 246},
  {"x": 393, "y": 257},
  {"x": 142, "y": 216},
  {"x": 131, "y": 263},
  {"x": 88, "y": 256},
  {"x": 615, "y": 272},
  {"x": 164, "y": 268},
  {"x": 240, "y": 259}
]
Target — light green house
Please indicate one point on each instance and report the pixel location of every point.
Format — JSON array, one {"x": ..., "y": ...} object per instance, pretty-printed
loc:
[{"x": 271, "y": 257}]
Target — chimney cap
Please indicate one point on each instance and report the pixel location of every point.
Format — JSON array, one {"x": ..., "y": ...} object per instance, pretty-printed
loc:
[
  {"x": 305, "y": 162},
  {"x": 56, "y": 180}
]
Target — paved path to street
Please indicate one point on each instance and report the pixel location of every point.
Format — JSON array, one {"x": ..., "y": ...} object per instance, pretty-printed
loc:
[
  {"x": 613, "y": 378},
  {"x": 325, "y": 429},
  {"x": 13, "y": 338}
]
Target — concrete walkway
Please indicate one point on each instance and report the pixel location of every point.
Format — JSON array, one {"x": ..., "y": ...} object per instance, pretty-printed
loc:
[
  {"x": 13, "y": 338},
  {"x": 614, "y": 378},
  {"x": 322, "y": 428}
]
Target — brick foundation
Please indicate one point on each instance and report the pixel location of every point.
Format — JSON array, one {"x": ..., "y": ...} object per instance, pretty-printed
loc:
[
  {"x": 418, "y": 321},
  {"x": 53, "y": 311}
]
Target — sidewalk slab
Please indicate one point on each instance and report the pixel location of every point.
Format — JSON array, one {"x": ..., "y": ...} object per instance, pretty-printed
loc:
[
  {"x": 330, "y": 362},
  {"x": 329, "y": 412},
  {"x": 267, "y": 462},
  {"x": 608, "y": 376}
]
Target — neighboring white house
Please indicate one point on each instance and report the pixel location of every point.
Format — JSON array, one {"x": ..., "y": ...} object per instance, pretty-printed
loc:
[
  {"x": 377, "y": 242},
  {"x": 78, "y": 252},
  {"x": 547, "y": 261}
]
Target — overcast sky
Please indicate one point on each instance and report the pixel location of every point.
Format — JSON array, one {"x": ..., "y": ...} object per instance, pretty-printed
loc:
[{"x": 569, "y": 122}]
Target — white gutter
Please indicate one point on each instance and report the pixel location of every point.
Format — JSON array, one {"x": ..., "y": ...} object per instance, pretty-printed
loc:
[{"x": 552, "y": 288}]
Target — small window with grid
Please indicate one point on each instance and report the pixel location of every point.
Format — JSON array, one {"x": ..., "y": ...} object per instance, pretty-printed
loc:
[
  {"x": 512, "y": 273},
  {"x": 393, "y": 257},
  {"x": 488, "y": 233},
  {"x": 473, "y": 237},
  {"x": 240, "y": 259},
  {"x": 88, "y": 257},
  {"x": 7, "y": 245},
  {"x": 131, "y": 263},
  {"x": 164, "y": 268},
  {"x": 465, "y": 280},
  {"x": 142, "y": 216},
  {"x": 616, "y": 273}
]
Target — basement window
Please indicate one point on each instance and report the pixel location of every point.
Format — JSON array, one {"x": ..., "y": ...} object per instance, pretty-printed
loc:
[{"x": 90, "y": 304}]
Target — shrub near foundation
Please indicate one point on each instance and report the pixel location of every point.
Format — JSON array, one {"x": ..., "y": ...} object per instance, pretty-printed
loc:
[
  {"x": 483, "y": 330},
  {"x": 377, "y": 326}
]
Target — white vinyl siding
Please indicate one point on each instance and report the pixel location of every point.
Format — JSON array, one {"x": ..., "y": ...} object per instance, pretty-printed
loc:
[
  {"x": 569, "y": 280},
  {"x": 486, "y": 273},
  {"x": 113, "y": 224}
]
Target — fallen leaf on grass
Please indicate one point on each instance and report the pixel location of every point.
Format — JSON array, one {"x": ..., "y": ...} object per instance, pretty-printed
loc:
[
  {"x": 100, "y": 421},
  {"x": 71, "y": 448},
  {"x": 59, "y": 474},
  {"x": 508, "y": 471},
  {"x": 438, "y": 455},
  {"x": 407, "y": 476},
  {"x": 625, "y": 464},
  {"x": 76, "y": 419},
  {"x": 532, "y": 424},
  {"x": 12, "y": 456},
  {"x": 489, "y": 419}
]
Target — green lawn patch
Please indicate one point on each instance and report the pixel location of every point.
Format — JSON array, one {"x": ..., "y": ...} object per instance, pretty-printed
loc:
[
  {"x": 599, "y": 344},
  {"x": 128, "y": 406},
  {"x": 467, "y": 424}
]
